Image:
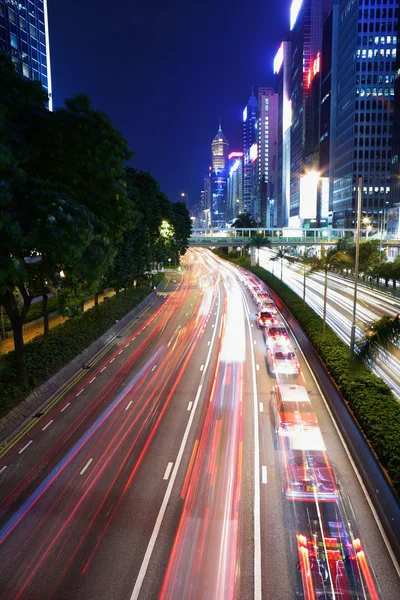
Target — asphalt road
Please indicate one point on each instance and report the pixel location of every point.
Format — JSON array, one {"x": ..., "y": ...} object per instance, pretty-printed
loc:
[{"x": 159, "y": 474}]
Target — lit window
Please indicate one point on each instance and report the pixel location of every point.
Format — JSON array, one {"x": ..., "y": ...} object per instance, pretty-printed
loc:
[
  {"x": 25, "y": 70},
  {"x": 12, "y": 16},
  {"x": 22, "y": 23},
  {"x": 32, "y": 30},
  {"x": 14, "y": 41}
]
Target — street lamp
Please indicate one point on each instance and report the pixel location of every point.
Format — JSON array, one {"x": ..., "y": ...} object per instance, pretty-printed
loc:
[
  {"x": 353, "y": 323},
  {"x": 169, "y": 260}
]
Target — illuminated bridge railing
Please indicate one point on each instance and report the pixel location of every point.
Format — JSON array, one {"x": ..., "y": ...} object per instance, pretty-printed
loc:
[{"x": 286, "y": 236}]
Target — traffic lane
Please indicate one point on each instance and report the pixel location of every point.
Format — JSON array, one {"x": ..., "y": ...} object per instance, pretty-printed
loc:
[
  {"x": 72, "y": 416},
  {"x": 205, "y": 559},
  {"x": 376, "y": 551},
  {"x": 370, "y": 535}
]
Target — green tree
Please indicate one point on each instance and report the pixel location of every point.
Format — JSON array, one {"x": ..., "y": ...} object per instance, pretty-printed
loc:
[
  {"x": 379, "y": 334},
  {"x": 259, "y": 241},
  {"x": 182, "y": 224},
  {"x": 280, "y": 255},
  {"x": 244, "y": 221}
]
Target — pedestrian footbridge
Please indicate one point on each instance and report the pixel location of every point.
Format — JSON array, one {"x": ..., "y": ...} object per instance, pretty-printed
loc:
[{"x": 224, "y": 238}]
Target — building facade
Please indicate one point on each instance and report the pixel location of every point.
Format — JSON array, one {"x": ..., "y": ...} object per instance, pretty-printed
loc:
[
  {"x": 24, "y": 36},
  {"x": 249, "y": 154},
  {"x": 367, "y": 41},
  {"x": 306, "y": 21},
  {"x": 219, "y": 156},
  {"x": 282, "y": 69},
  {"x": 267, "y": 162},
  {"x": 235, "y": 185}
]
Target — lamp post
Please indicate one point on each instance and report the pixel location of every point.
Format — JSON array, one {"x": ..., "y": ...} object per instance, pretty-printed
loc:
[
  {"x": 353, "y": 323},
  {"x": 169, "y": 261}
]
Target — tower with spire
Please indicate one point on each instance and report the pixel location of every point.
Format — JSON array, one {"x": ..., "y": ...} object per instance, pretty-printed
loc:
[{"x": 219, "y": 150}]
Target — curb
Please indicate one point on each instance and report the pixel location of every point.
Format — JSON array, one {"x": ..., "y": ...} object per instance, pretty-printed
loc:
[{"x": 37, "y": 400}]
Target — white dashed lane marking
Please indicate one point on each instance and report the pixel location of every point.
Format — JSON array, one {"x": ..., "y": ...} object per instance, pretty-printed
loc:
[
  {"x": 103, "y": 369},
  {"x": 3, "y": 469},
  {"x": 25, "y": 447},
  {"x": 80, "y": 392},
  {"x": 86, "y": 466},
  {"x": 66, "y": 406},
  {"x": 264, "y": 474},
  {"x": 168, "y": 470},
  {"x": 190, "y": 406},
  {"x": 48, "y": 425},
  {"x": 261, "y": 407},
  {"x": 93, "y": 378},
  {"x": 128, "y": 405}
]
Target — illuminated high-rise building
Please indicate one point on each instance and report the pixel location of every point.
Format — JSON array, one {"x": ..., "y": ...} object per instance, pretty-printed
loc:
[
  {"x": 235, "y": 185},
  {"x": 219, "y": 150},
  {"x": 367, "y": 39},
  {"x": 267, "y": 160},
  {"x": 306, "y": 21},
  {"x": 219, "y": 154},
  {"x": 250, "y": 153},
  {"x": 282, "y": 68},
  {"x": 24, "y": 36}
]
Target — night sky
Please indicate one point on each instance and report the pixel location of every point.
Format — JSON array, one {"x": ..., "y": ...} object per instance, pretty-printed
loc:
[{"x": 165, "y": 71}]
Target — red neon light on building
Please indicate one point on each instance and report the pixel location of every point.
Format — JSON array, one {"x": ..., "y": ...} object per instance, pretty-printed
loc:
[{"x": 235, "y": 155}]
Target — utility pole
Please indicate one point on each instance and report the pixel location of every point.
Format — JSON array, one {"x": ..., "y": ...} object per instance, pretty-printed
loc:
[{"x": 353, "y": 324}]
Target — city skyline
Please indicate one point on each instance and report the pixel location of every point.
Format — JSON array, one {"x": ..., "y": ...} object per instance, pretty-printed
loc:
[{"x": 108, "y": 61}]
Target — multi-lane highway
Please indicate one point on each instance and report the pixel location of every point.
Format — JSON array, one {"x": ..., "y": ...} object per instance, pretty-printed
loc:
[
  {"x": 162, "y": 474},
  {"x": 371, "y": 305}
]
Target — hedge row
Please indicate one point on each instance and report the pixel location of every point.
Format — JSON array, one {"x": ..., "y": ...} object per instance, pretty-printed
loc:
[
  {"x": 35, "y": 312},
  {"x": 369, "y": 398},
  {"x": 46, "y": 356}
]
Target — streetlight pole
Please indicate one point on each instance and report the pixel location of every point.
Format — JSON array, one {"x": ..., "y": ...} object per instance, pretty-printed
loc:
[
  {"x": 186, "y": 196},
  {"x": 353, "y": 324}
]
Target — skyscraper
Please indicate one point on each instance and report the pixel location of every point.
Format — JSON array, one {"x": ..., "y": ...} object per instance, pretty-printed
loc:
[
  {"x": 267, "y": 161},
  {"x": 249, "y": 154},
  {"x": 235, "y": 185},
  {"x": 219, "y": 150},
  {"x": 219, "y": 153},
  {"x": 282, "y": 68},
  {"x": 24, "y": 35},
  {"x": 364, "y": 114},
  {"x": 306, "y": 20}
]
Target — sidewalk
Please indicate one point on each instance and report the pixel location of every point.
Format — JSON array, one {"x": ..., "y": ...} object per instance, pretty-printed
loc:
[{"x": 8, "y": 344}]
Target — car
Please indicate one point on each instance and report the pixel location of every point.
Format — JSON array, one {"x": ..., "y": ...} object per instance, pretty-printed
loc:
[
  {"x": 332, "y": 561},
  {"x": 276, "y": 331},
  {"x": 309, "y": 475},
  {"x": 268, "y": 304},
  {"x": 265, "y": 318},
  {"x": 291, "y": 408},
  {"x": 281, "y": 359}
]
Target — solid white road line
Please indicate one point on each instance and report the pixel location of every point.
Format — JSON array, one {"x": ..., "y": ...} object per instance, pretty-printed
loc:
[
  {"x": 112, "y": 360},
  {"x": 25, "y": 447},
  {"x": 264, "y": 474},
  {"x": 202, "y": 367},
  {"x": 3, "y": 469},
  {"x": 66, "y": 406},
  {"x": 128, "y": 405},
  {"x": 80, "y": 392},
  {"x": 257, "y": 502},
  {"x": 86, "y": 466},
  {"x": 190, "y": 406},
  {"x": 103, "y": 369},
  {"x": 93, "y": 378},
  {"x": 48, "y": 425},
  {"x": 168, "y": 470},
  {"x": 261, "y": 407},
  {"x": 160, "y": 517}
]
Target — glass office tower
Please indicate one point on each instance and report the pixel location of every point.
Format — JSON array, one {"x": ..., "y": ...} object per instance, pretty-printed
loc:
[
  {"x": 24, "y": 35},
  {"x": 367, "y": 41},
  {"x": 249, "y": 142}
]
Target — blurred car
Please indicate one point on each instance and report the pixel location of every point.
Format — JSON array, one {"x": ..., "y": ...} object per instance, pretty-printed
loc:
[
  {"x": 276, "y": 331},
  {"x": 308, "y": 472},
  {"x": 268, "y": 304},
  {"x": 265, "y": 318},
  {"x": 332, "y": 562},
  {"x": 291, "y": 407},
  {"x": 281, "y": 359}
]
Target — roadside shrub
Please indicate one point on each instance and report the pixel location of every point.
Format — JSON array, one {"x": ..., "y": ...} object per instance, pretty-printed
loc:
[
  {"x": 46, "y": 356},
  {"x": 35, "y": 312}
]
